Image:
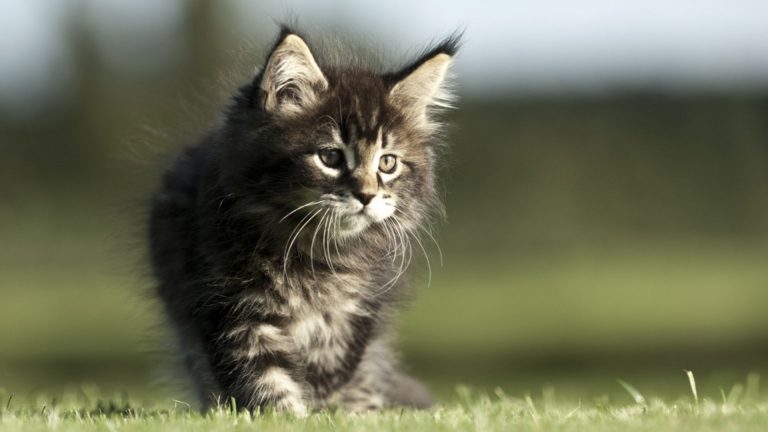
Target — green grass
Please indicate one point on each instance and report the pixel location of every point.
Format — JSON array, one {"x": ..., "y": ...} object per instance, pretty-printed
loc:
[{"x": 739, "y": 409}]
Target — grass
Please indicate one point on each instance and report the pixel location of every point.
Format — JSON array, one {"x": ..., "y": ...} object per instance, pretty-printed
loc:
[{"x": 83, "y": 410}]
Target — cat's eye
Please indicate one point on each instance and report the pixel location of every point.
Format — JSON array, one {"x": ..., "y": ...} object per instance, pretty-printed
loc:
[
  {"x": 387, "y": 164},
  {"x": 331, "y": 157}
]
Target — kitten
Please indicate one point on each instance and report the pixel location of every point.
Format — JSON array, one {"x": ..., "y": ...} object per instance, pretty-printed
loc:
[{"x": 279, "y": 240}]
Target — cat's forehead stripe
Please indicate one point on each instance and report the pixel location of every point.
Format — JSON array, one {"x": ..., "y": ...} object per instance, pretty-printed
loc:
[
  {"x": 351, "y": 134},
  {"x": 364, "y": 112},
  {"x": 336, "y": 135},
  {"x": 374, "y": 117},
  {"x": 354, "y": 130},
  {"x": 386, "y": 139},
  {"x": 349, "y": 147}
]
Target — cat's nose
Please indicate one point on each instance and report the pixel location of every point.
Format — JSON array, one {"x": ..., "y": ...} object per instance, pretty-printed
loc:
[{"x": 363, "y": 197}]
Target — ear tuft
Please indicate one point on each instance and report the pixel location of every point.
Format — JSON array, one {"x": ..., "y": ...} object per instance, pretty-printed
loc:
[
  {"x": 423, "y": 87},
  {"x": 292, "y": 80}
]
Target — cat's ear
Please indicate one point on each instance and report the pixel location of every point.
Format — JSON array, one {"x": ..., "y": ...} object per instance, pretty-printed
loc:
[
  {"x": 424, "y": 86},
  {"x": 291, "y": 81}
]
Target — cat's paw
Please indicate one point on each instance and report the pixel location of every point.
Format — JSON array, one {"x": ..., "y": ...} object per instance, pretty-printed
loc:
[
  {"x": 292, "y": 406},
  {"x": 364, "y": 403}
]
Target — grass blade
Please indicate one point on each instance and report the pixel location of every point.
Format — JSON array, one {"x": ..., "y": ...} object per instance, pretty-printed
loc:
[
  {"x": 735, "y": 394},
  {"x": 636, "y": 395},
  {"x": 692, "y": 382},
  {"x": 532, "y": 409},
  {"x": 753, "y": 386}
]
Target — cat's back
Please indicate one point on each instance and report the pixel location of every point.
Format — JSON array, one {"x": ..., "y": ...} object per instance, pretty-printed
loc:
[{"x": 173, "y": 219}]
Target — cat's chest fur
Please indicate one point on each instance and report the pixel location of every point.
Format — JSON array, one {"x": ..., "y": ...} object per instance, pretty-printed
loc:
[
  {"x": 324, "y": 314},
  {"x": 319, "y": 333}
]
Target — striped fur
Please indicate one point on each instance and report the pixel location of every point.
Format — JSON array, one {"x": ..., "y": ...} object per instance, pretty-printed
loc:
[{"x": 279, "y": 270}]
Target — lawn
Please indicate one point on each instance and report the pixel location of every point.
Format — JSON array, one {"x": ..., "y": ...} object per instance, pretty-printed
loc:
[{"x": 739, "y": 409}]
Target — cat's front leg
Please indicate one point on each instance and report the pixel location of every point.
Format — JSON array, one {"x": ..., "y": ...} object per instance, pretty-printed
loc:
[
  {"x": 254, "y": 362},
  {"x": 378, "y": 383},
  {"x": 368, "y": 389}
]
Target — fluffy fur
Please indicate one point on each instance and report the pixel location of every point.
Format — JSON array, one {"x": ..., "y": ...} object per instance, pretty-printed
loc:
[{"x": 279, "y": 241}]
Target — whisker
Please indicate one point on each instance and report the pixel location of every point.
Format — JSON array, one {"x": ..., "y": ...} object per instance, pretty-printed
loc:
[
  {"x": 429, "y": 266},
  {"x": 290, "y": 236},
  {"x": 437, "y": 245},
  {"x": 431, "y": 236},
  {"x": 293, "y": 240},
  {"x": 312, "y": 244},
  {"x": 405, "y": 242},
  {"x": 397, "y": 246},
  {"x": 398, "y": 229},
  {"x": 299, "y": 208},
  {"x": 390, "y": 241},
  {"x": 327, "y": 243},
  {"x": 336, "y": 230}
]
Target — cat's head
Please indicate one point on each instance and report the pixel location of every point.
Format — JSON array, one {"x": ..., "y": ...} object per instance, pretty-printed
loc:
[{"x": 340, "y": 144}]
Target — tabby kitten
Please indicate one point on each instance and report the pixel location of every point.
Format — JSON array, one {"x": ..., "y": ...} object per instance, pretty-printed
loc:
[{"x": 278, "y": 241}]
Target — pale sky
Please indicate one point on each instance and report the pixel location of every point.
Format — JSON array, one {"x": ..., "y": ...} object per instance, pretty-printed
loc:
[
  {"x": 552, "y": 45},
  {"x": 523, "y": 46}
]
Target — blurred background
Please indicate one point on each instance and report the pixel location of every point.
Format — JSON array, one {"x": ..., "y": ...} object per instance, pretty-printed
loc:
[{"x": 607, "y": 188}]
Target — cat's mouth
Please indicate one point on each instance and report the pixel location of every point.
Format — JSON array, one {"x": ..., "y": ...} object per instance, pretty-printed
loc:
[
  {"x": 353, "y": 223},
  {"x": 349, "y": 217}
]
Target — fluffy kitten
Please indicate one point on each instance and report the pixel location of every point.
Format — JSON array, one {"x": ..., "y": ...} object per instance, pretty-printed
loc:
[{"x": 279, "y": 240}]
